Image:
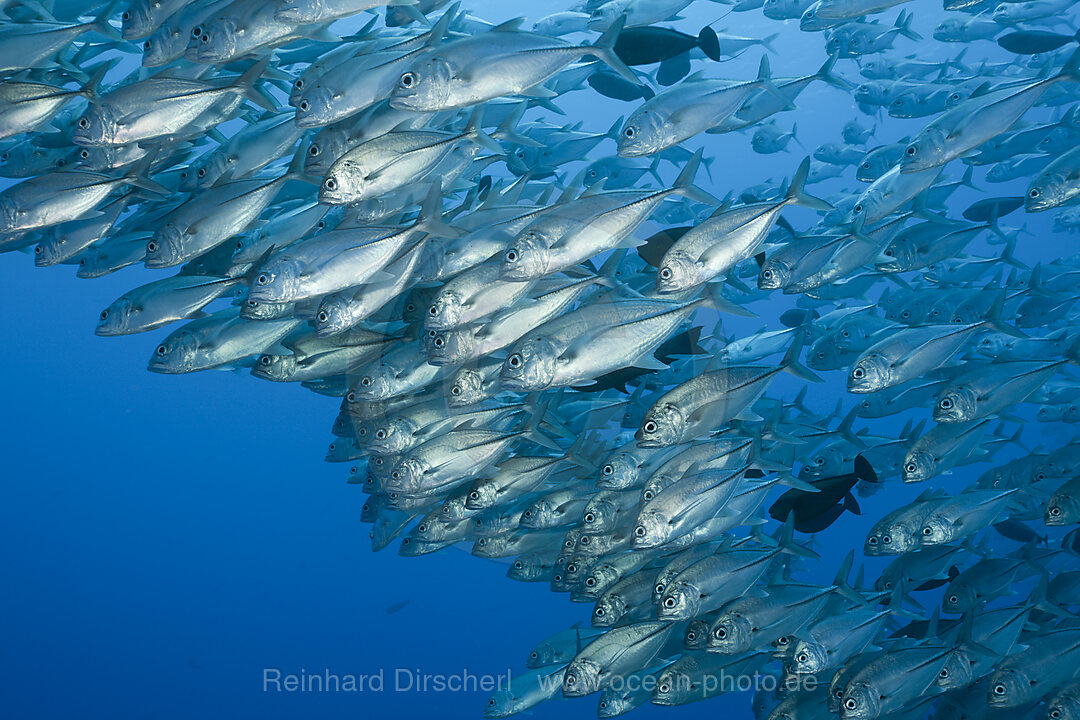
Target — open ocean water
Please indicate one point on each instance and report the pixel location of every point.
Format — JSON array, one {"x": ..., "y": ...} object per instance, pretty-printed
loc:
[{"x": 175, "y": 546}]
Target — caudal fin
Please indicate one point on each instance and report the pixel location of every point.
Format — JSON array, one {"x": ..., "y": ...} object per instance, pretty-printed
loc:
[
  {"x": 684, "y": 184},
  {"x": 709, "y": 43},
  {"x": 604, "y": 50},
  {"x": 797, "y": 195}
]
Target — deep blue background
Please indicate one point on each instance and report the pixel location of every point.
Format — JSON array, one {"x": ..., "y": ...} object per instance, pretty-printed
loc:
[{"x": 163, "y": 539}]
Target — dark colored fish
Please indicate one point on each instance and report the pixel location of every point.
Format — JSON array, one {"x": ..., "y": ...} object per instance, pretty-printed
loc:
[
  {"x": 397, "y": 606},
  {"x": 815, "y": 511},
  {"x": 673, "y": 70},
  {"x": 990, "y": 208},
  {"x": 648, "y": 45},
  {"x": 939, "y": 582},
  {"x": 1032, "y": 42},
  {"x": 616, "y": 87},
  {"x": 1019, "y": 531},
  {"x": 654, "y": 249}
]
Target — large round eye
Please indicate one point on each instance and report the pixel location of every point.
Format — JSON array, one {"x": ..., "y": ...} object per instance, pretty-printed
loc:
[
  {"x": 263, "y": 279},
  {"x": 151, "y": 246},
  {"x": 84, "y": 153},
  {"x": 782, "y": 641},
  {"x": 298, "y": 83},
  {"x": 511, "y": 256},
  {"x": 910, "y": 468},
  {"x": 945, "y": 404},
  {"x": 664, "y": 687},
  {"x": 859, "y": 208},
  {"x": 146, "y": 46},
  {"x": 850, "y": 704},
  {"x": 304, "y": 106},
  {"x": 650, "y": 427},
  {"x": 84, "y": 123},
  {"x": 1000, "y": 689},
  {"x": 801, "y": 657},
  {"x": 514, "y": 361},
  {"x": 330, "y": 184},
  {"x": 162, "y": 351},
  {"x": 589, "y": 518},
  {"x": 944, "y": 674},
  {"x": 322, "y": 316},
  {"x": 204, "y": 38},
  {"x": 608, "y": 469},
  {"x": 666, "y": 273},
  {"x": 1033, "y": 193},
  {"x": 104, "y": 314},
  {"x": 439, "y": 342},
  {"x": 819, "y": 461},
  {"x": 407, "y": 80},
  {"x": 456, "y": 390},
  {"x": 125, "y": 16},
  {"x": 669, "y": 602},
  {"x": 858, "y": 373},
  {"x": 365, "y": 381},
  {"x": 720, "y": 633},
  {"x": 886, "y": 539},
  {"x": 871, "y": 541},
  {"x": 767, "y": 274},
  {"x": 640, "y": 532},
  {"x": 911, "y": 150},
  {"x": 628, "y": 132},
  {"x": 590, "y": 581},
  {"x": 196, "y": 31},
  {"x": 202, "y": 172},
  {"x": 927, "y": 531},
  {"x": 265, "y": 361},
  {"x": 380, "y": 434},
  {"x": 313, "y": 151},
  {"x": 1054, "y": 511}
]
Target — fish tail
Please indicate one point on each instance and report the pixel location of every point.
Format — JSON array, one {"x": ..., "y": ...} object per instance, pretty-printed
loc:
[
  {"x": 767, "y": 42},
  {"x": 100, "y": 24},
  {"x": 430, "y": 218},
  {"x": 825, "y": 74},
  {"x": 995, "y": 321},
  {"x": 903, "y": 24},
  {"x": 140, "y": 175},
  {"x": 797, "y": 190},
  {"x": 792, "y": 364},
  {"x": 709, "y": 43},
  {"x": 507, "y": 130},
  {"x": 604, "y": 50},
  {"x": 684, "y": 184},
  {"x": 247, "y": 85},
  {"x": 787, "y": 544},
  {"x": 764, "y": 80},
  {"x": 92, "y": 87},
  {"x": 840, "y": 582}
]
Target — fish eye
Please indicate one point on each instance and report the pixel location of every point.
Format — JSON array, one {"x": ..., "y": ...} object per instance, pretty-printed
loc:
[
  {"x": 669, "y": 602},
  {"x": 380, "y": 434},
  {"x": 608, "y": 469},
  {"x": 204, "y": 38},
  {"x": 1033, "y": 193},
  {"x": 782, "y": 640},
  {"x": 202, "y": 172},
  {"x": 313, "y": 151},
  {"x": 151, "y": 246},
  {"x": 590, "y": 581},
  {"x": 84, "y": 122},
  {"x": 511, "y": 256},
  {"x": 514, "y": 361},
  {"x": 104, "y": 314},
  {"x": 407, "y": 80},
  {"x": 944, "y": 674},
  {"x": 858, "y": 373},
  {"x": 433, "y": 310},
  {"x": 147, "y": 45},
  {"x": 927, "y": 531},
  {"x": 666, "y": 273},
  {"x": 456, "y": 390},
  {"x": 720, "y": 633},
  {"x": 84, "y": 153},
  {"x": 298, "y": 84},
  {"x": 910, "y": 467},
  {"x": 886, "y": 539},
  {"x": 439, "y": 342},
  {"x": 628, "y": 133},
  {"x": 571, "y": 568},
  {"x": 647, "y": 495},
  {"x": 322, "y": 317},
  {"x": 664, "y": 687},
  {"x": 1055, "y": 714},
  {"x": 851, "y": 704},
  {"x": 589, "y": 518},
  {"x": 650, "y": 427},
  {"x": 767, "y": 274},
  {"x": 1055, "y": 510},
  {"x": 640, "y": 532},
  {"x": 945, "y": 404},
  {"x": 911, "y": 150},
  {"x": 162, "y": 351},
  {"x": 304, "y": 106},
  {"x": 871, "y": 541},
  {"x": 802, "y": 657},
  {"x": 263, "y": 279},
  {"x": 1000, "y": 689},
  {"x": 819, "y": 461},
  {"x": 330, "y": 184},
  {"x": 125, "y": 16},
  {"x": 366, "y": 381},
  {"x": 196, "y": 31}
]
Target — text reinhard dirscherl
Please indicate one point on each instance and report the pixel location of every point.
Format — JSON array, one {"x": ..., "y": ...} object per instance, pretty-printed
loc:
[{"x": 415, "y": 680}]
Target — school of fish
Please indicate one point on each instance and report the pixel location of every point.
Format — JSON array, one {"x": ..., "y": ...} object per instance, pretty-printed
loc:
[{"x": 527, "y": 318}]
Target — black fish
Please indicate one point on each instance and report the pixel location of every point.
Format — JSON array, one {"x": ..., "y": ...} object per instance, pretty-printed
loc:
[
  {"x": 1032, "y": 42},
  {"x": 796, "y": 317},
  {"x": 614, "y": 380},
  {"x": 654, "y": 249},
  {"x": 815, "y": 511},
  {"x": 673, "y": 70},
  {"x": 991, "y": 208},
  {"x": 939, "y": 582},
  {"x": 685, "y": 343},
  {"x": 648, "y": 45},
  {"x": 1019, "y": 531},
  {"x": 617, "y": 87}
]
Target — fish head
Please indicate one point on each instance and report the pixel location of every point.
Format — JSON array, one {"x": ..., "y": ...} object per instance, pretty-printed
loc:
[
  {"x": 188, "y": 181},
  {"x": 278, "y": 281},
  {"x": 888, "y": 539},
  {"x": 608, "y": 610},
  {"x": 957, "y": 672},
  {"x": 870, "y": 373},
  {"x": 115, "y": 319},
  {"x": 391, "y": 436},
  {"x": 9, "y": 213},
  {"x": 424, "y": 86},
  {"x": 527, "y": 257},
  {"x": 344, "y": 184},
  {"x": 218, "y": 40},
  {"x": 828, "y": 461},
  {"x": 774, "y": 274},
  {"x": 96, "y": 126},
  {"x": 936, "y": 530},
  {"x": 444, "y": 312},
  {"x": 324, "y": 150},
  {"x": 137, "y": 21},
  {"x": 599, "y": 515},
  {"x": 812, "y": 19},
  {"x": 678, "y": 271},
  {"x": 662, "y": 426},
  {"x": 673, "y": 687},
  {"x": 163, "y": 46},
  {"x": 1046, "y": 191},
  {"x": 651, "y": 530},
  {"x": 826, "y": 354},
  {"x": 919, "y": 465},
  {"x": 299, "y": 11},
  {"x": 620, "y": 471},
  {"x": 582, "y": 677},
  {"x": 406, "y": 477},
  {"x": 541, "y": 514},
  {"x": 1050, "y": 413},
  {"x": 176, "y": 354},
  {"x": 343, "y": 450},
  {"x": 211, "y": 171},
  {"x": 503, "y": 704},
  {"x": 928, "y": 150},
  {"x": 860, "y": 702},
  {"x": 165, "y": 249},
  {"x": 529, "y": 567},
  {"x": 1004, "y": 14},
  {"x": 495, "y": 546},
  {"x": 644, "y": 133},
  {"x": 532, "y": 367},
  {"x": 959, "y": 597},
  {"x": 614, "y": 703},
  {"x": 467, "y": 388},
  {"x": 337, "y": 313},
  {"x": 452, "y": 347},
  {"x": 483, "y": 494},
  {"x": 680, "y": 601},
  {"x": 522, "y": 159},
  {"x": 315, "y": 105},
  {"x": 956, "y": 405},
  {"x": 809, "y": 658},
  {"x": 1062, "y": 509},
  {"x": 274, "y": 367},
  {"x": 377, "y": 382},
  {"x": 1009, "y": 687},
  {"x": 731, "y": 633}
]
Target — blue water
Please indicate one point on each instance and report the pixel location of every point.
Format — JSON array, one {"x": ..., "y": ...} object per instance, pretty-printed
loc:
[{"x": 168, "y": 542}]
